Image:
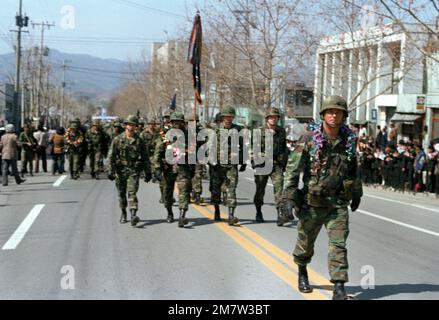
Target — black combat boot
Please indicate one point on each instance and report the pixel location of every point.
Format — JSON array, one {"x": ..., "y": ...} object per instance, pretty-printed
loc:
[
  {"x": 217, "y": 213},
  {"x": 304, "y": 286},
  {"x": 170, "y": 218},
  {"x": 232, "y": 219},
  {"x": 197, "y": 198},
  {"x": 123, "y": 217},
  {"x": 280, "y": 218},
  {"x": 339, "y": 291},
  {"x": 182, "y": 221},
  {"x": 134, "y": 218},
  {"x": 259, "y": 216}
]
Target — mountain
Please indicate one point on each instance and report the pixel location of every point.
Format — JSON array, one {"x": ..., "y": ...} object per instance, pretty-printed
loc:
[{"x": 86, "y": 75}]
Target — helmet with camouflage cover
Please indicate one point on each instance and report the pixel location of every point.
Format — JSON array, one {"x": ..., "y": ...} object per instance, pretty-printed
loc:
[
  {"x": 334, "y": 102},
  {"x": 132, "y": 119},
  {"x": 168, "y": 113},
  {"x": 177, "y": 116},
  {"x": 117, "y": 123},
  {"x": 74, "y": 124},
  {"x": 218, "y": 117},
  {"x": 153, "y": 120},
  {"x": 228, "y": 111},
  {"x": 272, "y": 112},
  {"x": 96, "y": 122},
  {"x": 142, "y": 121}
]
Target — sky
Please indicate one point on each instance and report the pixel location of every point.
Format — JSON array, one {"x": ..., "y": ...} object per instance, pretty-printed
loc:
[{"x": 119, "y": 29}]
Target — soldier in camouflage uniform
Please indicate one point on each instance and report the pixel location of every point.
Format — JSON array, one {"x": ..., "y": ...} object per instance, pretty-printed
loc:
[
  {"x": 164, "y": 128},
  {"x": 150, "y": 135},
  {"x": 29, "y": 145},
  {"x": 327, "y": 157},
  {"x": 277, "y": 162},
  {"x": 95, "y": 138},
  {"x": 116, "y": 129},
  {"x": 197, "y": 180},
  {"x": 128, "y": 160},
  {"x": 169, "y": 172},
  {"x": 74, "y": 140},
  {"x": 228, "y": 172},
  {"x": 218, "y": 121}
]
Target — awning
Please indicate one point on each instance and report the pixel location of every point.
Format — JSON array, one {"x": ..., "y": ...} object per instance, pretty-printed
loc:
[{"x": 404, "y": 117}]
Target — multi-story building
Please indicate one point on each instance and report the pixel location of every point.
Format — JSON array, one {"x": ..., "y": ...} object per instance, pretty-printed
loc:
[
  {"x": 6, "y": 104},
  {"x": 382, "y": 72}
]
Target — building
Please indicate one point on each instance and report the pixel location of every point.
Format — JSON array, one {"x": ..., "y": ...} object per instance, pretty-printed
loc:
[
  {"x": 7, "y": 114},
  {"x": 383, "y": 75}
]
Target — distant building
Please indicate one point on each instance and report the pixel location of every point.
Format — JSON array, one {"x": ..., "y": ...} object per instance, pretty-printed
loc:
[{"x": 6, "y": 104}]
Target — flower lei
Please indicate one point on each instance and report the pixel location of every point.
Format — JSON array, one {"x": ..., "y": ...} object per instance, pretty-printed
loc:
[{"x": 319, "y": 139}]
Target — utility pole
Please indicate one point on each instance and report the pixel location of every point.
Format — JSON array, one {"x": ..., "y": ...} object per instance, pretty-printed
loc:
[
  {"x": 20, "y": 21},
  {"x": 64, "y": 67},
  {"x": 43, "y": 26}
]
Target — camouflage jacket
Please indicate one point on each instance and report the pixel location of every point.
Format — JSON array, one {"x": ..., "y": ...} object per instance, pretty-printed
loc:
[
  {"x": 279, "y": 146},
  {"x": 233, "y": 152},
  {"x": 330, "y": 182},
  {"x": 95, "y": 140},
  {"x": 128, "y": 153},
  {"x": 73, "y": 140},
  {"x": 150, "y": 139}
]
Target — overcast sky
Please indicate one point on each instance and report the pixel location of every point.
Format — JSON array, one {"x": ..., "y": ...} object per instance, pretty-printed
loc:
[{"x": 119, "y": 29}]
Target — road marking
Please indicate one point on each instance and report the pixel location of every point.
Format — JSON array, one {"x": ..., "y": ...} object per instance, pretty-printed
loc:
[
  {"x": 59, "y": 181},
  {"x": 253, "y": 180},
  {"x": 399, "y": 223},
  {"x": 267, "y": 260},
  {"x": 24, "y": 227},
  {"x": 401, "y": 202}
]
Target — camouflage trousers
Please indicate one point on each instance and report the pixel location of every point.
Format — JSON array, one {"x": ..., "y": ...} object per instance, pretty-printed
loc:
[
  {"x": 127, "y": 181},
  {"x": 183, "y": 179},
  {"x": 96, "y": 161},
  {"x": 228, "y": 175},
  {"x": 336, "y": 221},
  {"x": 277, "y": 177},
  {"x": 74, "y": 162},
  {"x": 197, "y": 180}
]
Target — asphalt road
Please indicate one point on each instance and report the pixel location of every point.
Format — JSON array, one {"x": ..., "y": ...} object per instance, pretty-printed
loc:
[{"x": 61, "y": 239}]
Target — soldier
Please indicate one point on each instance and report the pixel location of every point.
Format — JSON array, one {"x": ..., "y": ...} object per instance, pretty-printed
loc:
[
  {"x": 150, "y": 135},
  {"x": 83, "y": 148},
  {"x": 29, "y": 145},
  {"x": 95, "y": 139},
  {"x": 218, "y": 121},
  {"x": 278, "y": 163},
  {"x": 228, "y": 172},
  {"x": 116, "y": 129},
  {"x": 141, "y": 127},
  {"x": 170, "y": 173},
  {"x": 128, "y": 159},
  {"x": 165, "y": 127},
  {"x": 74, "y": 140},
  {"x": 327, "y": 157},
  {"x": 197, "y": 180}
]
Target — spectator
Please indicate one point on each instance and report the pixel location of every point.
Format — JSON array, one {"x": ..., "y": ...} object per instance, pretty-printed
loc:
[
  {"x": 9, "y": 147},
  {"x": 419, "y": 168},
  {"x": 393, "y": 134},
  {"x": 57, "y": 141},
  {"x": 42, "y": 138}
]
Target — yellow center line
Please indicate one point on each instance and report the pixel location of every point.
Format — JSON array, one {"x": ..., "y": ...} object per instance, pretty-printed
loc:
[{"x": 267, "y": 260}]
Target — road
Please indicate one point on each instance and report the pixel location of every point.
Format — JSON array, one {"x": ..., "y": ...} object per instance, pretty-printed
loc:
[{"x": 61, "y": 239}]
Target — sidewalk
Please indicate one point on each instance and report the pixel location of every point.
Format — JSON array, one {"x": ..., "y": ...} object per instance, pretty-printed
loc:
[{"x": 409, "y": 197}]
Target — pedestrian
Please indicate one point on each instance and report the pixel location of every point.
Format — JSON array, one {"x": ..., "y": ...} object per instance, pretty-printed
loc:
[
  {"x": 9, "y": 149},
  {"x": 128, "y": 160},
  {"x": 327, "y": 158},
  {"x": 42, "y": 139},
  {"x": 277, "y": 161},
  {"x": 58, "y": 142}
]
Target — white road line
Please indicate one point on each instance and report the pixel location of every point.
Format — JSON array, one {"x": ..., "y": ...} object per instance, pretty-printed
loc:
[
  {"x": 253, "y": 180},
  {"x": 59, "y": 181},
  {"x": 399, "y": 223},
  {"x": 402, "y": 202},
  {"x": 24, "y": 227}
]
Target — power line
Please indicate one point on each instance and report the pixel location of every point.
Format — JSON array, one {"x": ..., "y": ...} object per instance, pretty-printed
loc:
[{"x": 136, "y": 5}]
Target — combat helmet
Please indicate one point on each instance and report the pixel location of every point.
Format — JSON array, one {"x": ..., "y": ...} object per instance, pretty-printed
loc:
[
  {"x": 334, "y": 102},
  {"x": 218, "y": 117},
  {"x": 272, "y": 112},
  {"x": 74, "y": 124},
  {"x": 142, "y": 121},
  {"x": 132, "y": 119},
  {"x": 96, "y": 122},
  {"x": 168, "y": 113},
  {"x": 228, "y": 111},
  {"x": 177, "y": 116},
  {"x": 153, "y": 120}
]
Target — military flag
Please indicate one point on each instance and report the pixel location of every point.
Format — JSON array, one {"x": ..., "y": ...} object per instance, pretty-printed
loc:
[{"x": 194, "y": 55}]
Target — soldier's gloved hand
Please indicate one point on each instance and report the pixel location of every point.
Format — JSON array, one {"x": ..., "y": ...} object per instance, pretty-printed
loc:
[
  {"x": 158, "y": 174},
  {"x": 111, "y": 176},
  {"x": 243, "y": 168},
  {"x": 148, "y": 177},
  {"x": 355, "y": 203}
]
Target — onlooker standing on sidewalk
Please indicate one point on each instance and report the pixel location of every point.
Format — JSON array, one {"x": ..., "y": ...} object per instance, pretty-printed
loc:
[
  {"x": 42, "y": 138},
  {"x": 419, "y": 167},
  {"x": 436, "y": 167},
  {"x": 9, "y": 146},
  {"x": 58, "y": 142}
]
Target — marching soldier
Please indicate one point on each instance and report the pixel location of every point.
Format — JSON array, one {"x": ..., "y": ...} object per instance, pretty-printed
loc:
[
  {"x": 128, "y": 159},
  {"x": 116, "y": 129},
  {"x": 29, "y": 145},
  {"x": 218, "y": 121},
  {"x": 328, "y": 159},
  {"x": 165, "y": 127},
  {"x": 169, "y": 172},
  {"x": 95, "y": 138},
  {"x": 74, "y": 140},
  {"x": 228, "y": 172},
  {"x": 278, "y": 163},
  {"x": 197, "y": 180},
  {"x": 150, "y": 135}
]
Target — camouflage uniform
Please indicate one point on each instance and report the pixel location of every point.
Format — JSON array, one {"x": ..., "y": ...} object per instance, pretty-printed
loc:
[
  {"x": 226, "y": 173},
  {"x": 278, "y": 163},
  {"x": 169, "y": 173},
  {"x": 128, "y": 159},
  {"x": 150, "y": 137},
  {"x": 95, "y": 139},
  {"x": 197, "y": 180},
  {"x": 27, "y": 154},
  {"x": 74, "y": 140},
  {"x": 330, "y": 183}
]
